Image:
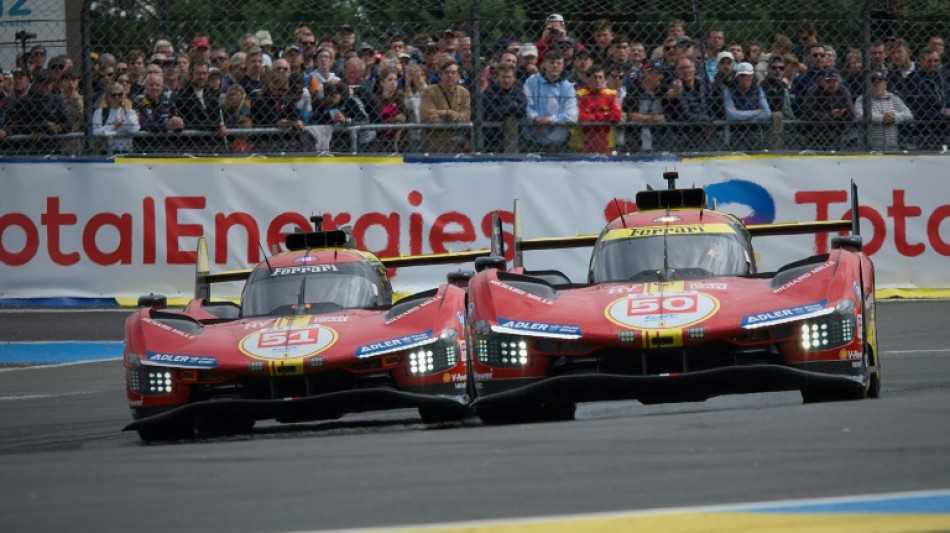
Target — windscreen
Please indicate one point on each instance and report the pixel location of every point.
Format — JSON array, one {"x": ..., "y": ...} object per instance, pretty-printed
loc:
[
  {"x": 624, "y": 256},
  {"x": 320, "y": 288}
]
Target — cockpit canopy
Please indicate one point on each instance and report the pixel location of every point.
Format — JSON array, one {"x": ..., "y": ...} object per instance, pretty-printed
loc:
[
  {"x": 691, "y": 251},
  {"x": 315, "y": 288}
]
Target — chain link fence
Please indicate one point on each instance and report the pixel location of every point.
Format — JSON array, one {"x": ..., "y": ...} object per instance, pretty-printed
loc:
[{"x": 160, "y": 77}]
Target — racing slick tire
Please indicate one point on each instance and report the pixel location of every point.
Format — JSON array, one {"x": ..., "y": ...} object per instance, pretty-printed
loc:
[{"x": 871, "y": 388}]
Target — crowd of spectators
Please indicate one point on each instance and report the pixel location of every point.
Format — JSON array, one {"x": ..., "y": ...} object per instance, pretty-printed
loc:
[{"x": 557, "y": 94}]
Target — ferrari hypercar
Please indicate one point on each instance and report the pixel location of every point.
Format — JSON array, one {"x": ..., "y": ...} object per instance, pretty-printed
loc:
[
  {"x": 316, "y": 335},
  {"x": 674, "y": 309}
]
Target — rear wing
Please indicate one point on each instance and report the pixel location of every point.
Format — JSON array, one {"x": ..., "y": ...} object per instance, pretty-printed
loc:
[{"x": 756, "y": 230}]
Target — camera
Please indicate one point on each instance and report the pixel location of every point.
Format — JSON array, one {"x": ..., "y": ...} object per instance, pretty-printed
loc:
[
  {"x": 23, "y": 35},
  {"x": 554, "y": 31}
]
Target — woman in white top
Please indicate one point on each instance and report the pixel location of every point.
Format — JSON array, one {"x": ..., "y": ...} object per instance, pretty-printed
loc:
[
  {"x": 415, "y": 84},
  {"x": 116, "y": 119}
]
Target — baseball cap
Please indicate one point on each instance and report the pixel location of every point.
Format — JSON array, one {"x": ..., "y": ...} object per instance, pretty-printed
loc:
[
  {"x": 264, "y": 38},
  {"x": 582, "y": 52},
  {"x": 292, "y": 47},
  {"x": 431, "y": 47},
  {"x": 57, "y": 63},
  {"x": 215, "y": 71},
  {"x": 392, "y": 32},
  {"x": 879, "y": 75},
  {"x": 649, "y": 67},
  {"x": 528, "y": 50},
  {"x": 448, "y": 31},
  {"x": 38, "y": 48},
  {"x": 365, "y": 47},
  {"x": 201, "y": 42},
  {"x": 726, "y": 54},
  {"x": 42, "y": 77},
  {"x": 345, "y": 28},
  {"x": 554, "y": 17},
  {"x": 160, "y": 58},
  {"x": 745, "y": 69},
  {"x": 21, "y": 72},
  {"x": 684, "y": 41},
  {"x": 829, "y": 73},
  {"x": 296, "y": 78}
]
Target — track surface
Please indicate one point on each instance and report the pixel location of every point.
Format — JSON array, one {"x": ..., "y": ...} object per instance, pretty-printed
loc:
[{"x": 66, "y": 466}]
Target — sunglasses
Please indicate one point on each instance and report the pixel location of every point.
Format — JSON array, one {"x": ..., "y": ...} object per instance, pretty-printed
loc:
[
  {"x": 219, "y": 59},
  {"x": 668, "y": 48},
  {"x": 308, "y": 43},
  {"x": 616, "y": 76},
  {"x": 117, "y": 95},
  {"x": 777, "y": 67},
  {"x": 57, "y": 67}
]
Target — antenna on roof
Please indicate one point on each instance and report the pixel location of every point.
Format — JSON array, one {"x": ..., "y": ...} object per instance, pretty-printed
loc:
[
  {"x": 317, "y": 222},
  {"x": 620, "y": 212},
  {"x": 670, "y": 177},
  {"x": 266, "y": 260}
]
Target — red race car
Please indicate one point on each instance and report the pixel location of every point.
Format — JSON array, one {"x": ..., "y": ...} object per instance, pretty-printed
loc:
[
  {"x": 674, "y": 309},
  {"x": 316, "y": 335}
]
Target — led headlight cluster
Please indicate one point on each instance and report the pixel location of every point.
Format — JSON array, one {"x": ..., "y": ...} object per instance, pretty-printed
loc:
[
  {"x": 434, "y": 357},
  {"x": 505, "y": 351},
  {"x": 827, "y": 332},
  {"x": 151, "y": 381}
]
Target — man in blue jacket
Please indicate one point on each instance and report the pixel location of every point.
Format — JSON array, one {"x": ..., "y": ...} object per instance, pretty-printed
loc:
[{"x": 551, "y": 106}]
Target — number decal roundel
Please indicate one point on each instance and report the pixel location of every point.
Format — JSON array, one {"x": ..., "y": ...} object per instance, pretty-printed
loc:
[
  {"x": 656, "y": 311},
  {"x": 288, "y": 342}
]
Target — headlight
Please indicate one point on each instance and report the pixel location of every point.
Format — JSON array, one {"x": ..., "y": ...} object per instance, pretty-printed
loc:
[
  {"x": 504, "y": 351},
  {"x": 827, "y": 332},
  {"x": 435, "y": 357},
  {"x": 150, "y": 380}
]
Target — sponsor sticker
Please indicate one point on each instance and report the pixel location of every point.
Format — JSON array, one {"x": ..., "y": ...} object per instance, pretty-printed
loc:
[
  {"x": 181, "y": 361},
  {"x": 662, "y": 310},
  {"x": 311, "y": 269},
  {"x": 288, "y": 341},
  {"x": 543, "y": 328},
  {"x": 783, "y": 315},
  {"x": 396, "y": 344},
  {"x": 655, "y": 231}
]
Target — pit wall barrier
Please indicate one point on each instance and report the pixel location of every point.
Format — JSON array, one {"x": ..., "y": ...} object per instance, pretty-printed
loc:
[{"x": 100, "y": 232}]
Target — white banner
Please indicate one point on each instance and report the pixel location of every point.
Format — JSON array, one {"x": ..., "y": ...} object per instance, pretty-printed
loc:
[{"x": 126, "y": 229}]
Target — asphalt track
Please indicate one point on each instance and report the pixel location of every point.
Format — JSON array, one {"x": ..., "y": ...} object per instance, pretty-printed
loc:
[{"x": 65, "y": 464}]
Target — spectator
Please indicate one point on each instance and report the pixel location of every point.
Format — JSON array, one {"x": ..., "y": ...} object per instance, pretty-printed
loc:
[
  {"x": 781, "y": 45},
  {"x": 299, "y": 94},
  {"x": 888, "y": 112},
  {"x": 754, "y": 52},
  {"x": 6, "y": 106},
  {"x": 619, "y": 55},
  {"x": 105, "y": 78},
  {"x": 551, "y": 101},
  {"x": 116, "y": 119},
  {"x": 857, "y": 78},
  {"x": 324, "y": 72},
  {"x": 775, "y": 87},
  {"x": 715, "y": 41},
  {"x": 527, "y": 62},
  {"x": 415, "y": 84},
  {"x": 666, "y": 63},
  {"x": 554, "y": 31},
  {"x": 644, "y": 105},
  {"x": 615, "y": 81},
  {"x": 444, "y": 102},
  {"x": 687, "y": 102},
  {"x": 336, "y": 108},
  {"x": 38, "y": 56},
  {"x": 199, "y": 107},
  {"x": 390, "y": 109},
  {"x": 57, "y": 66},
  {"x": 345, "y": 40},
  {"x": 294, "y": 57},
  {"x": 738, "y": 55},
  {"x": 675, "y": 29},
  {"x": 220, "y": 60},
  {"x": 72, "y": 98},
  {"x": 361, "y": 95},
  {"x": 200, "y": 50},
  {"x": 248, "y": 42},
  {"x": 162, "y": 46},
  {"x": 902, "y": 66},
  {"x": 272, "y": 107},
  {"x": 21, "y": 83},
  {"x": 172, "y": 74},
  {"x": 829, "y": 107},
  {"x": 927, "y": 93},
  {"x": 157, "y": 114},
  {"x": 603, "y": 36},
  {"x": 243, "y": 143},
  {"x": 638, "y": 54},
  {"x": 723, "y": 79},
  {"x": 253, "y": 79},
  {"x": 807, "y": 38},
  {"x": 804, "y": 82},
  {"x": 136, "y": 64},
  {"x": 746, "y": 102},
  {"x": 504, "y": 102},
  {"x": 596, "y": 103},
  {"x": 235, "y": 106},
  {"x": 267, "y": 47},
  {"x": 42, "y": 115},
  {"x": 582, "y": 65},
  {"x": 235, "y": 71}
]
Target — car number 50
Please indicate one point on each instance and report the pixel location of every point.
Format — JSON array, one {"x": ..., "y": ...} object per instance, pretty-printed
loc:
[{"x": 680, "y": 303}]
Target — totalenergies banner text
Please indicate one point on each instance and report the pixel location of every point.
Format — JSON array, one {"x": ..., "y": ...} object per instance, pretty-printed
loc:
[{"x": 125, "y": 229}]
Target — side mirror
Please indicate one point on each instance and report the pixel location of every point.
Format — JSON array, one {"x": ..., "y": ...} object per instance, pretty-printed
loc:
[
  {"x": 157, "y": 301},
  {"x": 492, "y": 261},
  {"x": 848, "y": 241}
]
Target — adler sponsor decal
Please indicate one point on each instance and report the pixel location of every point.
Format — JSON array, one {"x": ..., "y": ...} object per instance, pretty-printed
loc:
[
  {"x": 392, "y": 345},
  {"x": 311, "y": 269},
  {"x": 528, "y": 327},
  {"x": 181, "y": 361},
  {"x": 289, "y": 341},
  {"x": 662, "y": 310},
  {"x": 783, "y": 315}
]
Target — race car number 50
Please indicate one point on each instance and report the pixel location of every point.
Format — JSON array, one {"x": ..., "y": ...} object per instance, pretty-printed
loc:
[{"x": 655, "y": 311}]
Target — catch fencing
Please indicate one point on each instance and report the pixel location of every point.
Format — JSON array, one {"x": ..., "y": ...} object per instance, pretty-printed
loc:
[{"x": 112, "y": 44}]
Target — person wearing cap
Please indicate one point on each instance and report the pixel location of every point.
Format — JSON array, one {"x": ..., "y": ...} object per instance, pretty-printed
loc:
[
  {"x": 432, "y": 58},
  {"x": 644, "y": 105},
  {"x": 345, "y": 39},
  {"x": 598, "y": 103},
  {"x": 554, "y": 31},
  {"x": 552, "y": 105},
  {"x": 21, "y": 83},
  {"x": 235, "y": 71},
  {"x": 41, "y": 115},
  {"x": 504, "y": 102},
  {"x": 527, "y": 62},
  {"x": 888, "y": 113},
  {"x": 266, "y": 43},
  {"x": 38, "y": 56},
  {"x": 200, "y": 51},
  {"x": 446, "y": 102},
  {"x": 580, "y": 66},
  {"x": 724, "y": 77},
  {"x": 830, "y": 110},
  {"x": 745, "y": 102}
]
